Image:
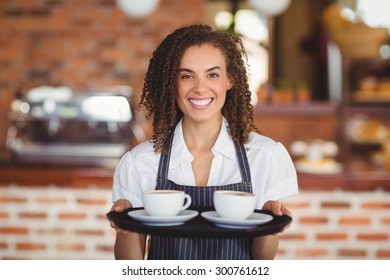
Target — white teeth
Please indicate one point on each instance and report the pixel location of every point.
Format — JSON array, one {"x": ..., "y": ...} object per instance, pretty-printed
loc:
[{"x": 200, "y": 102}]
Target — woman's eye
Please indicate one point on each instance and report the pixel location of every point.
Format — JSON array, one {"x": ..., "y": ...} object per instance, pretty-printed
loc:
[
  {"x": 184, "y": 77},
  {"x": 213, "y": 75}
]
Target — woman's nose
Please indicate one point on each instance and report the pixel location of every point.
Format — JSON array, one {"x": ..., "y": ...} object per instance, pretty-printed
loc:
[{"x": 200, "y": 85}]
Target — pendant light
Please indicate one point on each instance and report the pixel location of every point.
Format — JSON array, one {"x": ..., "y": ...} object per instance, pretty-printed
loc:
[
  {"x": 137, "y": 8},
  {"x": 270, "y": 8}
]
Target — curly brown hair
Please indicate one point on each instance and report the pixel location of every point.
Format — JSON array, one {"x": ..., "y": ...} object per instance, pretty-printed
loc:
[{"x": 160, "y": 85}]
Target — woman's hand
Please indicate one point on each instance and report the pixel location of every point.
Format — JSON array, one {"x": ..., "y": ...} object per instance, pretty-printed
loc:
[
  {"x": 128, "y": 245},
  {"x": 119, "y": 206},
  {"x": 276, "y": 208}
]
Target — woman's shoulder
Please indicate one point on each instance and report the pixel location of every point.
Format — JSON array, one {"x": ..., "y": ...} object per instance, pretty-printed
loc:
[
  {"x": 259, "y": 142},
  {"x": 143, "y": 150}
]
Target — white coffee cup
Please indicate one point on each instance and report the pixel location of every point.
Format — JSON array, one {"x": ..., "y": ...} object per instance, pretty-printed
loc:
[
  {"x": 165, "y": 202},
  {"x": 234, "y": 204}
]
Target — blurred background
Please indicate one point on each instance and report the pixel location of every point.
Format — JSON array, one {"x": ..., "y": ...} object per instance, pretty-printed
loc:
[{"x": 71, "y": 74}]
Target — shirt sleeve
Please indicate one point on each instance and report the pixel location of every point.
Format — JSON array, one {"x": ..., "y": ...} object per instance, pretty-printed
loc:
[
  {"x": 126, "y": 182},
  {"x": 281, "y": 179}
]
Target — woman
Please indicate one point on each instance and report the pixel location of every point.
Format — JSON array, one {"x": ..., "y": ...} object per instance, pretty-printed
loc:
[{"x": 196, "y": 91}]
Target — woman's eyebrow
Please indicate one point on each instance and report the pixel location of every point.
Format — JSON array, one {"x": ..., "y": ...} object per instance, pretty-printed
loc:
[
  {"x": 185, "y": 70},
  {"x": 208, "y": 70},
  {"x": 213, "y": 68}
]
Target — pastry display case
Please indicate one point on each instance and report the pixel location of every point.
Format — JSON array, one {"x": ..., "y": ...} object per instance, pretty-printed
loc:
[
  {"x": 359, "y": 51},
  {"x": 366, "y": 111}
]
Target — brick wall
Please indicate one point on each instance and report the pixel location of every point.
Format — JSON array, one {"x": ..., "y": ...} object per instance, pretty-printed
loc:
[
  {"x": 55, "y": 223},
  {"x": 338, "y": 225},
  {"x": 80, "y": 44},
  {"x": 69, "y": 223}
]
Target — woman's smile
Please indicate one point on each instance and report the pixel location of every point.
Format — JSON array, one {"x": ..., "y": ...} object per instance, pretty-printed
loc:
[{"x": 200, "y": 103}]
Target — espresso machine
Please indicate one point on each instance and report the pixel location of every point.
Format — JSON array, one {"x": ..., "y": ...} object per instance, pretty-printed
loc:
[{"x": 57, "y": 125}]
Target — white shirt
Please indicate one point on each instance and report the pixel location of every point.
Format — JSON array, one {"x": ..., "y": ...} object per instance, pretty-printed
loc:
[{"x": 272, "y": 170}]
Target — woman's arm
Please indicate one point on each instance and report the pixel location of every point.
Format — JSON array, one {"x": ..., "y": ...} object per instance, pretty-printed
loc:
[
  {"x": 128, "y": 245},
  {"x": 265, "y": 247}
]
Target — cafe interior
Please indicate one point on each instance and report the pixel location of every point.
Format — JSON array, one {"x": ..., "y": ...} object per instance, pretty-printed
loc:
[{"x": 71, "y": 75}]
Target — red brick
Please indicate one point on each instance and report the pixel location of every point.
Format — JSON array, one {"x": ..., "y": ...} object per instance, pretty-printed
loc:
[
  {"x": 31, "y": 246},
  {"x": 331, "y": 236},
  {"x": 373, "y": 236},
  {"x": 297, "y": 205},
  {"x": 29, "y": 4},
  {"x": 333, "y": 204},
  {"x": 352, "y": 253},
  {"x": 70, "y": 247},
  {"x": 113, "y": 54},
  {"x": 92, "y": 201},
  {"x": 31, "y": 215},
  {"x": 14, "y": 230},
  {"x": 313, "y": 220},
  {"x": 10, "y": 54},
  {"x": 101, "y": 217},
  {"x": 3, "y": 245},
  {"x": 52, "y": 231},
  {"x": 383, "y": 253},
  {"x": 12, "y": 199},
  {"x": 4, "y": 215},
  {"x": 57, "y": 24},
  {"x": 313, "y": 252},
  {"x": 292, "y": 236},
  {"x": 105, "y": 248},
  {"x": 89, "y": 232},
  {"x": 72, "y": 216},
  {"x": 376, "y": 205},
  {"x": 386, "y": 221},
  {"x": 51, "y": 200},
  {"x": 354, "y": 221}
]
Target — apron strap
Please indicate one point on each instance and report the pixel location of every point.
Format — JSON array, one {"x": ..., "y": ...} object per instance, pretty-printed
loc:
[
  {"x": 243, "y": 163},
  {"x": 164, "y": 159}
]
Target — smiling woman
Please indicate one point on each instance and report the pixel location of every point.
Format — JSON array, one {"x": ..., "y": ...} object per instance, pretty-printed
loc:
[
  {"x": 196, "y": 90},
  {"x": 161, "y": 82}
]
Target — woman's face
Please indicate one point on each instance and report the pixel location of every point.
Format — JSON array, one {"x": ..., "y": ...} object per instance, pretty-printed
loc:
[{"x": 202, "y": 83}]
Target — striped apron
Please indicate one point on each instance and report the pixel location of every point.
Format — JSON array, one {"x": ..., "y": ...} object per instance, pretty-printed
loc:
[{"x": 201, "y": 248}]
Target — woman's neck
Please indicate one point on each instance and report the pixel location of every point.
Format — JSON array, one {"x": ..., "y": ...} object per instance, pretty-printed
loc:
[{"x": 201, "y": 135}]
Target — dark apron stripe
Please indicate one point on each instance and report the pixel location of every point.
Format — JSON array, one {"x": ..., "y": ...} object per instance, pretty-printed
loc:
[
  {"x": 164, "y": 159},
  {"x": 244, "y": 165}
]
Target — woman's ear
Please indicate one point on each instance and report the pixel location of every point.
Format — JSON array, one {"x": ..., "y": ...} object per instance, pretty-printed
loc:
[{"x": 230, "y": 84}]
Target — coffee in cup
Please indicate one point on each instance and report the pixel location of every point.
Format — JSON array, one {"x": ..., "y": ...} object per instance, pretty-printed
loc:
[
  {"x": 165, "y": 202},
  {"x": 234, "y": 204}
]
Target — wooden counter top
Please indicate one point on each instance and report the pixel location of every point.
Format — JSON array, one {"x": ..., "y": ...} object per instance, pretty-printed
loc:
[
  {"x": 60, "y": 176},
  {"x": 348, "y": 181},
  {"x": 351, "y": 180}
]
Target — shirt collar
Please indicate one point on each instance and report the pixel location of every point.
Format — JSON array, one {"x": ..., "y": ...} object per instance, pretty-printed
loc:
[
  {"x": 224, "y": 144},
  {"x": 180, "y": 153},
  {"x": 179, "y": 150}
]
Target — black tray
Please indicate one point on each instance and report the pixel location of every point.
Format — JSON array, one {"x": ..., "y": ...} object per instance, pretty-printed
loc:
[{"x": 198, "y": 226}]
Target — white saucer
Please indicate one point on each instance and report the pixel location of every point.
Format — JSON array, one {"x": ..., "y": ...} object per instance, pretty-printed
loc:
[
  {"x": 254, "y": 220},
  {"x": 163, "y": 221}
]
